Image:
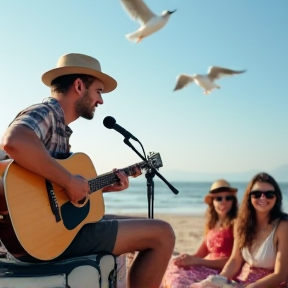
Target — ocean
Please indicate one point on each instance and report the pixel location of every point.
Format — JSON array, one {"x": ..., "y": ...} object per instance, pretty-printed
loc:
[{"x": 189, "y": 200}]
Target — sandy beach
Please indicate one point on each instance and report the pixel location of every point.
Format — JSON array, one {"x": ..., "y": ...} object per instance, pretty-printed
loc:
[{"x": 188, "y": 230}]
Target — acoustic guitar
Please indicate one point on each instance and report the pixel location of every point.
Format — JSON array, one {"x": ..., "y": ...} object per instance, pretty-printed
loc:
[{"x": 36, "y": 216}]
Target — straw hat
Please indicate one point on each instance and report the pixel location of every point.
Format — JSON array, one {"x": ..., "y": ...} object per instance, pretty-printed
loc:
[
  {"x": 218, "y": 186},
  {"x": 75, "y": 63}
]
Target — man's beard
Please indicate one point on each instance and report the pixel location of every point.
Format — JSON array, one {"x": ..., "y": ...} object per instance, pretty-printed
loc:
[{"x": 83, "y": 107}]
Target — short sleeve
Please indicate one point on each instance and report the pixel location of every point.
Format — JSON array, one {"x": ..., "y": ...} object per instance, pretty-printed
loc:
[{"x": 38, "y": 118}]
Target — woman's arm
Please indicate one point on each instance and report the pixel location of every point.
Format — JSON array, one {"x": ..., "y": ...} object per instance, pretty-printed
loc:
[
  {"x": 235, "y": 261},
  {"x": 202, "y": 250},
  {"x": 188, "y": 260},
  {"x": 191, "y": 260},
  {"x": 212, "y": 263},
  {"x": 280, "y": 270}
]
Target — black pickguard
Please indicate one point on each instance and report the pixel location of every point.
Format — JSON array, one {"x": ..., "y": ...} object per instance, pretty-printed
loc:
[{"x": 72, "y": 216}]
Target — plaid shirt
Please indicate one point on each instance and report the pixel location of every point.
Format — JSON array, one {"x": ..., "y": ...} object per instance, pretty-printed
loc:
[{"x": 46, "y": 119}]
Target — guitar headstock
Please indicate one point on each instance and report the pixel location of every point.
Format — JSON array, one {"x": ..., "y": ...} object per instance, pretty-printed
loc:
[{"x": 154, "y": 160}]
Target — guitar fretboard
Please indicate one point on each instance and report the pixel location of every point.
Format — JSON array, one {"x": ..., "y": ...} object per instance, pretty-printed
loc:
[{"x": 109, "y": 178}]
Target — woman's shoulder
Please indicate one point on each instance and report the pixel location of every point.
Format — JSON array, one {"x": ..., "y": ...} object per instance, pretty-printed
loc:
[
  {"x": 284, "y": 217},
  {"x": 282, "y": 221},
  {"x": 282, "y": 227}
]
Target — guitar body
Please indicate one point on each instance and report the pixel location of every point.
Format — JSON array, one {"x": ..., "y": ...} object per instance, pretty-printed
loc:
[
  {"x": 7, "y": 233},
  {"x": 36, "y": 227}
]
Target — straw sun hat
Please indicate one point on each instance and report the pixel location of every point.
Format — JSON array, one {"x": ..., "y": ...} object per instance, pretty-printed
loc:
[
  {"x": 218, "y": 186},
  {"x": 75, "y": 63}
]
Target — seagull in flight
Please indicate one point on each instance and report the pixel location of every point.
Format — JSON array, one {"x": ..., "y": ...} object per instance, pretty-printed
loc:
[
  {"x": 150, "y": 23},
  {"x": 205, "y": 81}
]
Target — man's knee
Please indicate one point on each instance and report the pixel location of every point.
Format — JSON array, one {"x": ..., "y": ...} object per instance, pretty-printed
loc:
[{"x": 166, "y": 231}]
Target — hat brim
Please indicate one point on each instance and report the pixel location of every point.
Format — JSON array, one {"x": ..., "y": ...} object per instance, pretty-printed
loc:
[
  {"x": 208, "y": 197},
  {"x": 109, "y": 83}
]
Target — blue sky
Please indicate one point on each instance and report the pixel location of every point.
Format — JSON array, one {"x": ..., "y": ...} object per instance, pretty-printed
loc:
[{"x": 241, "y": 127}]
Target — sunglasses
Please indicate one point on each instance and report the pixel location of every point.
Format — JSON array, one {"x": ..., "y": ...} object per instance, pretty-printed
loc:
[
  {"x": 268, "y": 194},
  {"x": 220, "y": 198}
]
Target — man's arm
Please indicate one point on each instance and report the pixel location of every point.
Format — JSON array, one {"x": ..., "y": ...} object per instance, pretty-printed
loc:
[
  {"x": 22, "y": 144},
  {"x": 27, "y": 150}
]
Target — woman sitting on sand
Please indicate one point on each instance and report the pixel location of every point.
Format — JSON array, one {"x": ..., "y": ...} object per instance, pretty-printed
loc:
[
  {"x": 217, "y": 245},
  {"x": 261, "y": 236}
]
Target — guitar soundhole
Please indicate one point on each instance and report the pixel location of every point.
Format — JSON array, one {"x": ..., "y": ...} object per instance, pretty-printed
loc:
[{"x": 72, "y": 216}]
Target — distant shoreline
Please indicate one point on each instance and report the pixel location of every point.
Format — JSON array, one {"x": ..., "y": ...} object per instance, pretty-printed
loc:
[{"x": 140, "y": 180}]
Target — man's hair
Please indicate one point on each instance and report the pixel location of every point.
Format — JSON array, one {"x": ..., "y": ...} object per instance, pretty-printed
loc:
[{"x": 62, "y": 84}]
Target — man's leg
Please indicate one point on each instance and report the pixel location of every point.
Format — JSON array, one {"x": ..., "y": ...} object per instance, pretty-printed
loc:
[
  {"x": 155, "y": 240},
  {"x": 117, "y": 217}
]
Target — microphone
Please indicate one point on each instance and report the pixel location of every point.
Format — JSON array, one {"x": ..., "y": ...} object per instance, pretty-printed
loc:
[{"x": 110, "y": 123}]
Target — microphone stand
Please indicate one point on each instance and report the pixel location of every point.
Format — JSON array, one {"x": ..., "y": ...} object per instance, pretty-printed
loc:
[
  {"x": 151, "y": 172},
  {"x": 150, "y": 191}
]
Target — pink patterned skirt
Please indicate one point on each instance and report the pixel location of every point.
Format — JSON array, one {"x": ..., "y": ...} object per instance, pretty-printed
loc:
[
  {"x": 250, "y": 274},
  {"x": 176, "y": 277}
]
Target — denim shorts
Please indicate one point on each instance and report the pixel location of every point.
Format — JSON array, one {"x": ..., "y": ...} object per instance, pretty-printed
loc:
[{"x": 92, "y": 238}]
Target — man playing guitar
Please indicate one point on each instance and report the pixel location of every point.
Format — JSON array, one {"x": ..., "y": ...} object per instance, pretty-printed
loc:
[{"x": 39, "y": 135}]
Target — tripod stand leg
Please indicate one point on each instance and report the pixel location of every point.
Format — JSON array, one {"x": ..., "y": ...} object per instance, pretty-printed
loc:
[{"x": 150, "y": 192}]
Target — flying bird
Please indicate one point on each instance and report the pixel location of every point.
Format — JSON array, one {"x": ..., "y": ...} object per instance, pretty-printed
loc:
[
  {"x": 205, "y": 81},
  {"x": 150, "y": 23}
]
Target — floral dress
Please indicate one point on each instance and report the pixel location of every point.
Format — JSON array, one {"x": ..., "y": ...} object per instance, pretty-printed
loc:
[
  {"x": 251, "y": 274},
  {"x": 219, "y": 243}
]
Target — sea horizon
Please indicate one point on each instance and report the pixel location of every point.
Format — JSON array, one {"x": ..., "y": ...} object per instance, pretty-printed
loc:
[{"x": 189, "y": 200}]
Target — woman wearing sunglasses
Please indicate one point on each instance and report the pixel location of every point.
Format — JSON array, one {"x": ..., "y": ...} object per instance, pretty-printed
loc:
[
  {"x": 217, "y": 245},
  {"x": 261, "y": 237}
]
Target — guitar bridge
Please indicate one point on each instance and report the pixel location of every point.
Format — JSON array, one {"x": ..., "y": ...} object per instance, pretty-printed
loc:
[{"x": 53, "y": 201}]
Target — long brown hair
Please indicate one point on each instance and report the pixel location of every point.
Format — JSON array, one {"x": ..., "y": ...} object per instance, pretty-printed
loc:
[
  {"x": 212, "y": 216},
  {"x": 246, "y": 223}
]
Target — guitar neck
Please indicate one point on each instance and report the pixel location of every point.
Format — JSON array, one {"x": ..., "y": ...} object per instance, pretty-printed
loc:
[{"x": 110, "y": 178}]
